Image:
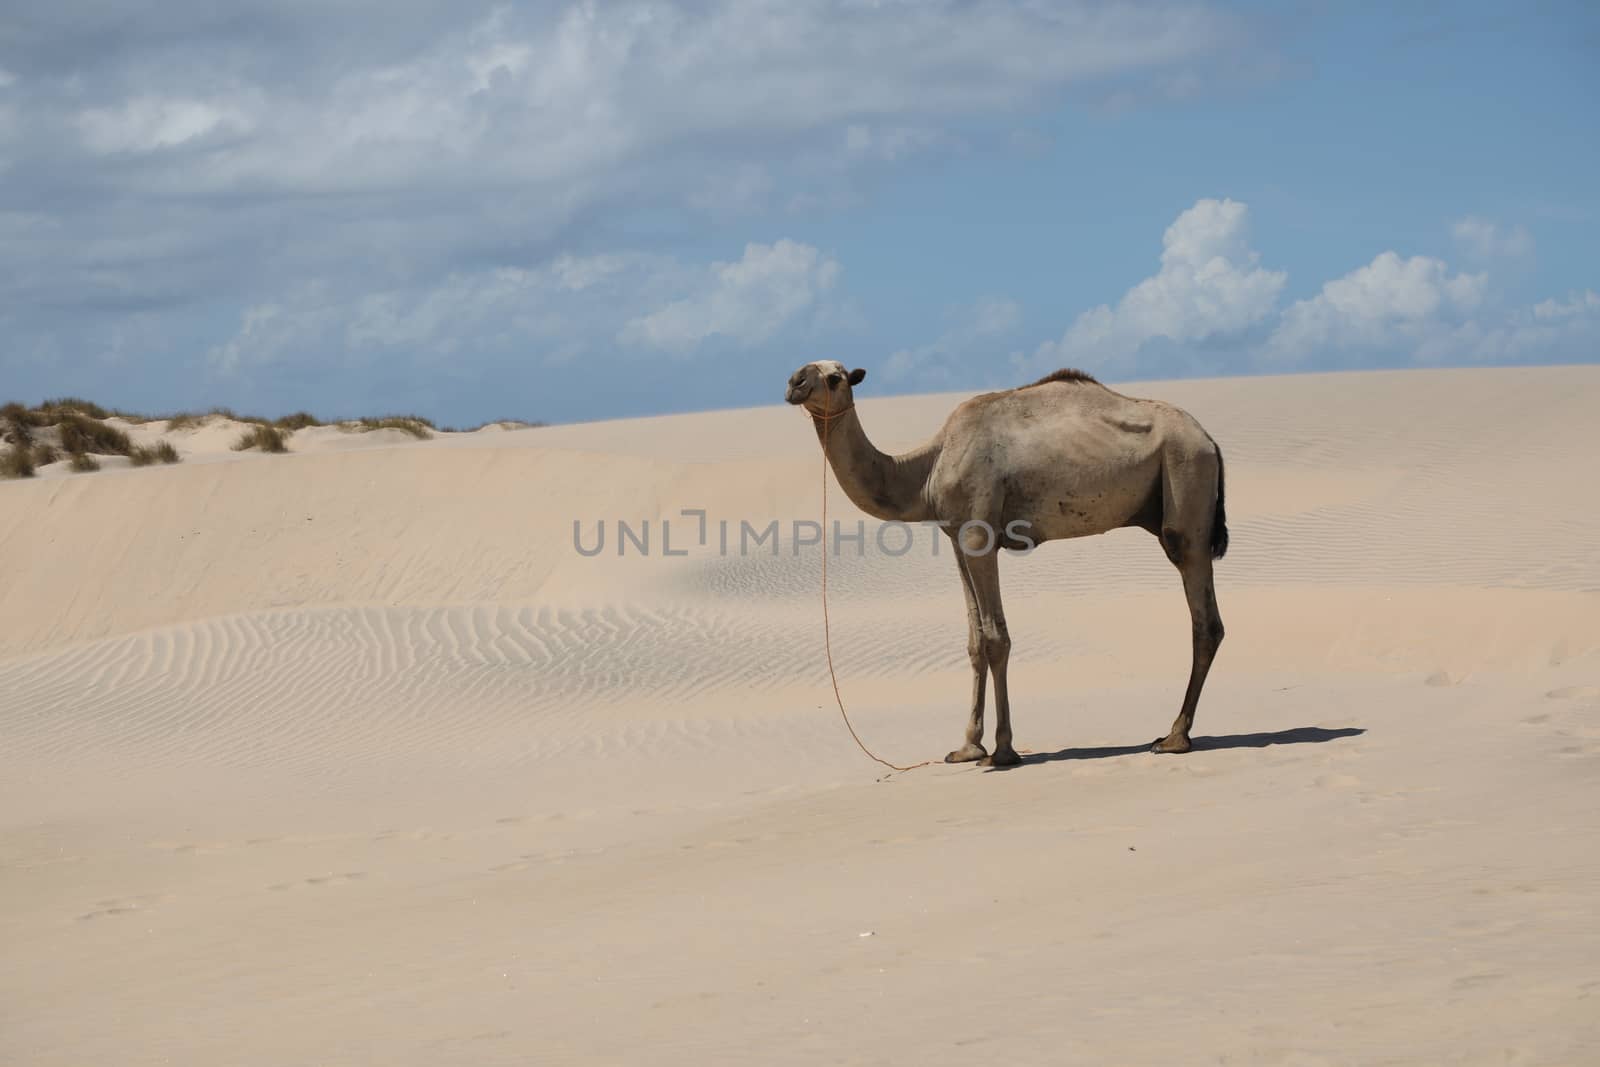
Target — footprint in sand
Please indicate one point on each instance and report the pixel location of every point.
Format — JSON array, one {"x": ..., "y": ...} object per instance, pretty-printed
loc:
[
  {"x": 1338, "y": 781},
  {"x": 529, "y": 859},
  {"x": 120, "y": 906},
  {"x": 1575, "y": 692},
  {"x": 319, "y": 880},
  {"x": 189, "y": 848}
]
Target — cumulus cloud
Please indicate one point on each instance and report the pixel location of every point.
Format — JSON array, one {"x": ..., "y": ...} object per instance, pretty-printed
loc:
[
  {"x": 965, "y": 345},
  {"x": 1391, "y": 303},
  {"x": 890, "y": 142},
  {"x": 1210, "y": 285},
  {"x": 557, "y": 310},
  {"x": 148, "y": 124},
  {"x": 561, "y": 304},
  {"x": 748, "y": 300},
  {"x": 1551, "y": 330},
  {"x": 268, "y": 331},
  {"x": 1483, "y": 240},
  {"x": 1211, "y": 288}
]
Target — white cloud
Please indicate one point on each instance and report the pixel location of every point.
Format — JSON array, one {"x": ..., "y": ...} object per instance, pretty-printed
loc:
[
  {"x": 563, "y": 305},
  {"x": 950, "y": 358},
  {"x": 862, "y": 140},
  {"x": 740, "y": 189},
  {"x": 1389, "y": 303},
  {"x": 147, "y": 124},
  {"x": 577, "y": 273},
  {"x": 560, "y": 309},
  {"x": 533, "y": 95},
  {"x": 1550, "y": 330},
  {"x": 1483, "y": 240},
  {"x": 1584, "y": 305},
  {"x": 1210, "y": 285},
  {"x": 271, "y": 331},
  {"x": 747, "y": 301}
]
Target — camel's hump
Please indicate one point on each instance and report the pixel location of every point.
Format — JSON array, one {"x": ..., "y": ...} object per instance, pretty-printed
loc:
[{"x": 1067, "y": 374}]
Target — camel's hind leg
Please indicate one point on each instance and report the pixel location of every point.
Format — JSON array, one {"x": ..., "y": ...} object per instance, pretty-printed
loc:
[
  {"x": 1193, "y": 558},
  {"x": 1193, "y": 533}
]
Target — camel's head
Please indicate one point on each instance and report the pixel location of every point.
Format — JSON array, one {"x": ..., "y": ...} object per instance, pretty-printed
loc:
[{"x": 823, "y": 386}]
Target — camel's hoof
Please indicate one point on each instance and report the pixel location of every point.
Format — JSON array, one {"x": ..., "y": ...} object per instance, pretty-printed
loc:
[
  {"x": 967, "y": 754},
  {"x": 1171, "y": 744},
  {"x": 1005, "y": 757}
]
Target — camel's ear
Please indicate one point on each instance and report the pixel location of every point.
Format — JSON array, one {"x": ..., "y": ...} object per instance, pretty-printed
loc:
[{"x": 858, "y": 376}]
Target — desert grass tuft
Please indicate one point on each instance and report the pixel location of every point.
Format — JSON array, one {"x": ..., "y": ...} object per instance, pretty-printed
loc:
[
  {"x": 298, "y": 421},
  {"x": 44, "y": 453},
  {"x": 16, "y": 462},
  {"x": 266, "y": 438},
  {"x": 189, "y": 420},
  {"x": 16, "y": 424},
  {"x": 82, "y": 462},
  {"x": 80, "y": 433},
  {"x": 415, "y": 425},
  {"x": 55, "y": 407},
  {"x": 162, "y": 452}
]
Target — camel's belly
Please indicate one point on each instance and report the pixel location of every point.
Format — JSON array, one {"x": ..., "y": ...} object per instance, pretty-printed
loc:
[
  {"x": 1084, "y": 490},
  {"x": 1082, "y": 510}
]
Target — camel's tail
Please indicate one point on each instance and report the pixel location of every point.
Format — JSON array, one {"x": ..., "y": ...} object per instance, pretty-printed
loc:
[{"x": 1219, "y": 520}]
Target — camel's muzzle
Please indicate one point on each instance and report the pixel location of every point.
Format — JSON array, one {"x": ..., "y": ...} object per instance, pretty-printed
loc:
[{"x": 798, "y": 390}]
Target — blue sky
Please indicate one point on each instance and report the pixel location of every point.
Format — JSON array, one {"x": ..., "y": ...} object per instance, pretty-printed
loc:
[{"x": 576, "y": 211}]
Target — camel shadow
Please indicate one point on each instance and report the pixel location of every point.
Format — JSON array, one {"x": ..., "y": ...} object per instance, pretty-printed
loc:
[{"x": 1301, "y": 735}]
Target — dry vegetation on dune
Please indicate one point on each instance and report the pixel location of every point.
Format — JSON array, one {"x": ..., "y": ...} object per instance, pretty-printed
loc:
[
  {"x": 263, "y": 438},
  {"x": 77, "y": 430},
  {"x": 80, "y": 433},
  {"x": 415, "y": 425},
  {"x": 39, "y": 436},
  {"x": 163, "y": 452},
  {"x": 16, "y": 462},
  {"x": 193, "y": 420}
]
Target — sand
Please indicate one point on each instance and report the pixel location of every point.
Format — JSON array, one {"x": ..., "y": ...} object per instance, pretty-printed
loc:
[{"x": 349, "y": 757}]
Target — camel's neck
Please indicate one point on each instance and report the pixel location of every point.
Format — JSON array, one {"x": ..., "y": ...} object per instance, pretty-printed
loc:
[{"x": 884, "y": 486}]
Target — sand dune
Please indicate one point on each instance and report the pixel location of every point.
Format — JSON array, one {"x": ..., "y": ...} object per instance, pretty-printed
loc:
[{"x": 349, "y": 756}]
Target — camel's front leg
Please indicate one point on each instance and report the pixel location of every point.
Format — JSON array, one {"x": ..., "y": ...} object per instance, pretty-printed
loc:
[
  {"x": 984, "y": 572},
  {"x": 973, "y": 749}
]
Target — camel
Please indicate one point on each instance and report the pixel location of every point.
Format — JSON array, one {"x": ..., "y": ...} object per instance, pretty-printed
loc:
[{"x": 1063, "y": 457}]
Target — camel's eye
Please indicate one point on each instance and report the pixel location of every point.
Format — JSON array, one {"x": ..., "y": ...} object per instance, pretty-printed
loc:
[{"x": 834, "y": 379}]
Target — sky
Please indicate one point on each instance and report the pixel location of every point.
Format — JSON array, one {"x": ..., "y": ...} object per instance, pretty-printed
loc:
[{"x": 573, "y": 211}]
